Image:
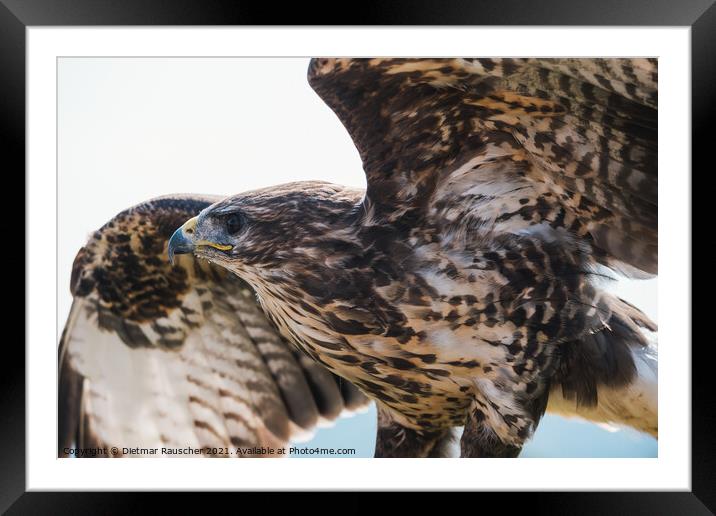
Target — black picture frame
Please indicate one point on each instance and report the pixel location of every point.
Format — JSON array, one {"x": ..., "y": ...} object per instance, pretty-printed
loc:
[{"x": 16, "y": 15}]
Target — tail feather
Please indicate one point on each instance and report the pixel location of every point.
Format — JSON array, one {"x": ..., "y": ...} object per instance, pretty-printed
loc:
[
  {"x": 633, "y": 404},
  {"x": 611, "y": 376}
]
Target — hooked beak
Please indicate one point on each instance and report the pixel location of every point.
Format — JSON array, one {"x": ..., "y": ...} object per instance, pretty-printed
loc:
[{"x": 184, "y": 241}]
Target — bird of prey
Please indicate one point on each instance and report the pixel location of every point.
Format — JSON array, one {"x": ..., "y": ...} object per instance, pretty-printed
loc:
[{"x": 463, "y": 288}]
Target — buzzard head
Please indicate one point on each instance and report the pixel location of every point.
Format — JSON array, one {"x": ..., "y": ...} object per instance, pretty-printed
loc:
[{"x": 267, "y": 231}]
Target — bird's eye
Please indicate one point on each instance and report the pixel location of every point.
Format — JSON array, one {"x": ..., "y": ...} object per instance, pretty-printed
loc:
[{"x": 234, "y": 223}]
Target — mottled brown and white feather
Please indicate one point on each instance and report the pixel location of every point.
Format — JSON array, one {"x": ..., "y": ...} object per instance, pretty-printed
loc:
[{"x": 159, "y": 355}]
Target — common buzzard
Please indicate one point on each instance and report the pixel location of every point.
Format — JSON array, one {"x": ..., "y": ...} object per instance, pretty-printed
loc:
[{"x": 464, "y": 288}]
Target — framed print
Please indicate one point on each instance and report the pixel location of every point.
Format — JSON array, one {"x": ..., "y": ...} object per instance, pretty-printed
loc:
[{"x": 359, "y": 248}]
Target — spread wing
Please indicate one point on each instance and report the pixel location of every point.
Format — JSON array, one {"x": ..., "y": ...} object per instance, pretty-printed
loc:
[
  {"x": 177, "y": 356},
  {"x": 524, "y": 143},
  {"x": 538, "y": 170}
]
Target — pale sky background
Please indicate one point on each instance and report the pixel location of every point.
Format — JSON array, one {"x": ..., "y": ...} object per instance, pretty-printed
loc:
[{"x": 132, "y": 129}]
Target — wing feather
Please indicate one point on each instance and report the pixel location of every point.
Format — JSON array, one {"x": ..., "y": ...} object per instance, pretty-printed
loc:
[
  {"x": 157, "y": 355},
  {"x": 558, "y": 155},
  {"x": 577, "y": 137}
]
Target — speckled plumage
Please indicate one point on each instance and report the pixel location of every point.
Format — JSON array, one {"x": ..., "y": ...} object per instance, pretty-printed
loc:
[
  {"x": 462, "y": 288},
  {"x": 176, "y": 356}
]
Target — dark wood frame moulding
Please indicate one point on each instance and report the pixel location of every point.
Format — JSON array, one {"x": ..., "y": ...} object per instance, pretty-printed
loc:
[{"x": 17, "y": 15}]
